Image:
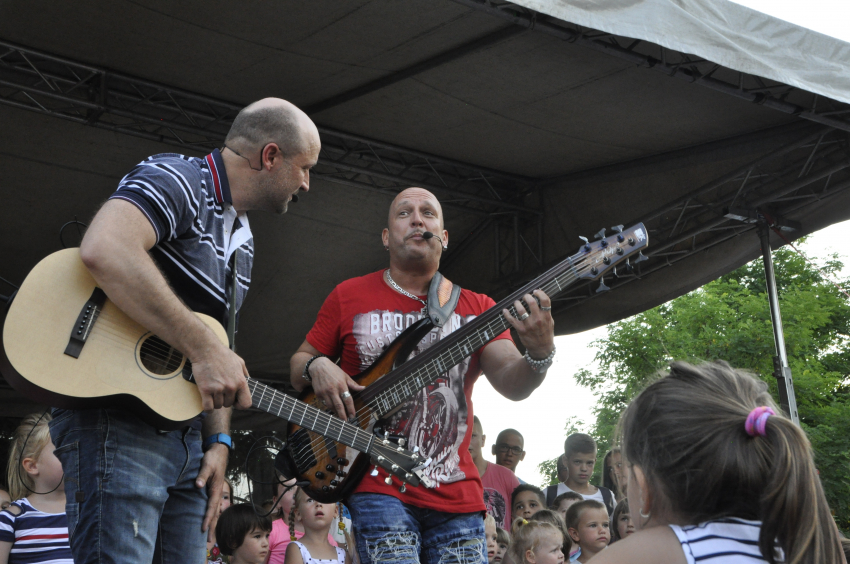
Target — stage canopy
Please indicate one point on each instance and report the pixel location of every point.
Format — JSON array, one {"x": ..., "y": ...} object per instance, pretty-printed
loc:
[{"x": 534, "y": 122}]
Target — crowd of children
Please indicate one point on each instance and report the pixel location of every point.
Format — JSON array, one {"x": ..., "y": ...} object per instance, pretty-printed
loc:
[{"x": 714, "y": 474}]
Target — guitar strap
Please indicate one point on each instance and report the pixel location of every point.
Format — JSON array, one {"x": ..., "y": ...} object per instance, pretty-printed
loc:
[
  {"x": 231, "y": 314},
  {"x": 442, "y": 299}
]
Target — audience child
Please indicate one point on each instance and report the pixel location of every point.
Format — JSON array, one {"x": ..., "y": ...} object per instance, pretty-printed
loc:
[
  {"x": 845, "y": 545},
  {"x": 564, "y": 501},
  {"x": 5, "y": 498},
  {"x": 621, "y": 521},
  {"x": 213, "y": 551},
  {"x": 316, "y": 520},
  {"x": 612, "y": 478},
  {"x": 526, "y": 500},
  {"x": 281, "y": 534},
  {"x": 490, "y": 538},
  {"x": 536, "y": 542},
  {"x": 503, "y": 543},
  {"x": 34, "y": 528},
  {"x": 243, "y": 535},
  {"x": 555, "y": 518},
  {"x": 498, "y": 481},
  {"x": 509, "y": 450},
  {"x": 587, "y": 522},
  {"x": 563, "y": 473},
  {"x": 716, "y": 469},
  {"x": 580, "y": 454}
]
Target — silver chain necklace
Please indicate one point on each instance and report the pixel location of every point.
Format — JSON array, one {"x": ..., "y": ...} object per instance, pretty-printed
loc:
[{"x": 404, "y": 292}]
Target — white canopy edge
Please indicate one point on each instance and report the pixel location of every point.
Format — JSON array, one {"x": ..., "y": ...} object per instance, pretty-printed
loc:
[{"x": 723, "y": 32}]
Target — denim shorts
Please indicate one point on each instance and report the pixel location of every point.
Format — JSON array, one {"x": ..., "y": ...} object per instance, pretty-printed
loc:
[
  {"x": 389, "y": 531},
  {"x": 130, "y": 489}
]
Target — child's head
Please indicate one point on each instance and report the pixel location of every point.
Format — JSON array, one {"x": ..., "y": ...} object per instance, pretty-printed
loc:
[
  {"x": 611, "y": 467},
  {"x": 553, "y": 517},
  {"x": 563, "y": 502},
  {"x": 226, "y": 496},
  {"x": 243, "y": 534},
  {"x": 526, "y": 500},
  {"x": 477, "y": 439},
  {"x": 536, "y": 542},
  {"x": 587, "y": 522},
  {"x": 5, "y": 498},
  {"x": 694, "y": 457},
  {"x": 32, "y": 464},
  {"x": 490, "y": 537},
  {"x": 621, "y": 521},
  {"x": 503, "y": 542},
  {"x": 562, "y": 469},
  {"x": 580, "y": 454},
  {"x": 312, "y": 514}
]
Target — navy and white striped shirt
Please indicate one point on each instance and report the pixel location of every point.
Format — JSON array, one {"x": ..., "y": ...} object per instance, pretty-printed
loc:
[
  {"x": 187, "y": 201},
  {"x": 36, "y": 537},
  {"x": 727, "y": 541}
]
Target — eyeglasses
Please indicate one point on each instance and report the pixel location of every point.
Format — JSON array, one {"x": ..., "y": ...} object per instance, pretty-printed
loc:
[{"x": 503, "y": 448}]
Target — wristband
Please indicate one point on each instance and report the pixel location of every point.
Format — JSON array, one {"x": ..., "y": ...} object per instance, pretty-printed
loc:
[
  {"x": 542, "y": 365},
  {"x": 218, "y": 438},
  {"x": 306, "y": 373}
]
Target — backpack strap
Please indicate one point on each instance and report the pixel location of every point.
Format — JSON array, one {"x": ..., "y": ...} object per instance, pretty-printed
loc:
[
  {"x": 551, "y": 494},
  {"x": 442, "y": 299},
  {"x": 608, "y": 498}
]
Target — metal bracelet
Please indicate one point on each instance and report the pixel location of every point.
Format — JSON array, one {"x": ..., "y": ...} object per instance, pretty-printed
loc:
[
  {"x": 540, "y": 366},
  {"x": 306, "y": 373}
]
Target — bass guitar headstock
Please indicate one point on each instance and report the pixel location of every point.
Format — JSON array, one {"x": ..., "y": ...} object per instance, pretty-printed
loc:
[
  {"x": 597, "y": 258},
  {"x": 407, "y": 466}
]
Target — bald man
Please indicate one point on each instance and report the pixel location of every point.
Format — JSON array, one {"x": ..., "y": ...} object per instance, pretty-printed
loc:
[
  {"x": 356, "y": 323},
  {"x": 161, "y": 248}
]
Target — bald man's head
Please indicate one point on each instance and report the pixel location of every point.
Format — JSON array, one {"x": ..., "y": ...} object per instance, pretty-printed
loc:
[
  {"x": 416, "y": 193},
  {"x": 272, "y": 120}
]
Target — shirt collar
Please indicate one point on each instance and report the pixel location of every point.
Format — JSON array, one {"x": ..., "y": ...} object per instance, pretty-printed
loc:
[{"x": 219, "y": 176}]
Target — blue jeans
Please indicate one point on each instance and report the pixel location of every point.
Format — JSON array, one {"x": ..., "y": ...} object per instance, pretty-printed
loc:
[
  {"x": 388, "y": 530},
  {"x": 130, "y": 488}
]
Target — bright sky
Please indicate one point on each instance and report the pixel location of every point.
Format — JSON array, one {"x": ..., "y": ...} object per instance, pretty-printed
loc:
[
  {"x": 542, "y": 417},
  {"x": 824, "y": 16}
]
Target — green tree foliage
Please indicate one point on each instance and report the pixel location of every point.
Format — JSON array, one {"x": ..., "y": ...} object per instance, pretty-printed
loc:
[{"x": 729, "y": 319}]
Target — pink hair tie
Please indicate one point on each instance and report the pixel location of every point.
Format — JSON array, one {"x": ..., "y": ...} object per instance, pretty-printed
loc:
[{"x": 756, "y": 421}]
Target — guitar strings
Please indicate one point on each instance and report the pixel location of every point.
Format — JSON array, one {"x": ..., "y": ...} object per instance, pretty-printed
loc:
[{"x": 549, "y": 288}]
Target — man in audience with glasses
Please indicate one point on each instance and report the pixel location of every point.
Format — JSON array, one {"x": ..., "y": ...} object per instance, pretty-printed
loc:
[{"x": 508, "y": 450}]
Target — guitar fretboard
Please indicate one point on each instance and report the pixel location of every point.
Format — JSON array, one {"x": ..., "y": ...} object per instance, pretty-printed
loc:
[
  {"x": 277, "y": 403},
  {"x": 387, "y": 393}
]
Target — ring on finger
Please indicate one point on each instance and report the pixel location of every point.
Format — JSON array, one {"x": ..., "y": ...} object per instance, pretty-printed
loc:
[
  {"x": 523, "y": 317},
  {"x": 544, "y": 308},
  {"x": 346, "y": 394}
]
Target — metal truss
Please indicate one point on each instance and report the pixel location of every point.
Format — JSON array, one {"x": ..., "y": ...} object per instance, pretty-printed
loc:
[
  {"x": 782, "y": 183},
  {"x": 693, "y": 69},
  {"x": 97, "y": 97}
]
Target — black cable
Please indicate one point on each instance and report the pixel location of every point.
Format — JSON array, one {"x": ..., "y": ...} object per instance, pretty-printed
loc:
[{"x": 277, "y": 481}]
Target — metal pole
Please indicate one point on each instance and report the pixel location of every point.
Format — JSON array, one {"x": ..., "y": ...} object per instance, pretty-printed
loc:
[{"x": 781, "y": 370}]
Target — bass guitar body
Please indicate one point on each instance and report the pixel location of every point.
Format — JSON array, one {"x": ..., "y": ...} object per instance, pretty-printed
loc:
[
  {"x": 332, "y": 469},
  {"x": 66, "y": 345}
]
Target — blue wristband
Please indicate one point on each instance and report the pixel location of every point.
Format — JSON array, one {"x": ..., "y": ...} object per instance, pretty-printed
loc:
[{"x": 218, "y": 438}]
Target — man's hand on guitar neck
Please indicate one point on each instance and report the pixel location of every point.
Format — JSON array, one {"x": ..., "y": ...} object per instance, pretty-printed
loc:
[
  {"x": 329, "y": 382},
  {"x": 221, "y": 376}
]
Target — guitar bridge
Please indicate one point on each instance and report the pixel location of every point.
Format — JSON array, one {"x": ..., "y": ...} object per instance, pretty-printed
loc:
[{"x": 85, "y": 322}]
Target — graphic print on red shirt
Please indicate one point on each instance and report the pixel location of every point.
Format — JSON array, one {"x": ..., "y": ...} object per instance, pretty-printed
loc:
[{"x": 358, "y": 320}]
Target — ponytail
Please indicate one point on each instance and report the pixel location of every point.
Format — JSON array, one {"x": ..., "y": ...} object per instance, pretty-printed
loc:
[{"x": 31, "y": 436}]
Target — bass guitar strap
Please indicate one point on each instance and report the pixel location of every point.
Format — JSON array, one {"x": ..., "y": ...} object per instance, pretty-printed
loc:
[{"x": 442, "y": 299}]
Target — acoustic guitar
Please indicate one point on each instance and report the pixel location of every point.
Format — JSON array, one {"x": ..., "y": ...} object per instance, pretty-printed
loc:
[
  {"x": 393, "y": 378},
  {"x": 66, "y": 345}
]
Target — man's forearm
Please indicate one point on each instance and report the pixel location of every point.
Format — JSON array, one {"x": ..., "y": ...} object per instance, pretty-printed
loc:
[
  {"x": 518, "y": 380},
  {"x": 217, "y": 421}
]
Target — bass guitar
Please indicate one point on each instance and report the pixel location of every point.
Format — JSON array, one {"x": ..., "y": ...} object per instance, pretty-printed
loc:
[
  {"x": 392, "y": 378},
  {"x": 64, "y": 344}
]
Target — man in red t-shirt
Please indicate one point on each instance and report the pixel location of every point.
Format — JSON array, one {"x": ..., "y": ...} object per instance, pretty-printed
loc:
[
  {"x": 356, "y": 323},
  {"x": 498, "y": 482}
]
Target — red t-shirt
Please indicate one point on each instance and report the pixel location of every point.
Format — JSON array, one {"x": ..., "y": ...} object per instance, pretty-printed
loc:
[
  {"x": 356, "y": 323},
  {"x": 499, "y": 483}
]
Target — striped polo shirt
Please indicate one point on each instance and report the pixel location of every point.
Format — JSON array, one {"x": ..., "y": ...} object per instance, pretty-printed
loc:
[
  {"x": 35, "y": 536},
  {"x": 727, "y": 541},
  {"x": 187, "y": 201}
]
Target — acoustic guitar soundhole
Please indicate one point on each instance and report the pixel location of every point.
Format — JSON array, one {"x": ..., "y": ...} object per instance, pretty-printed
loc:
[{"x": 158, "y": 357}]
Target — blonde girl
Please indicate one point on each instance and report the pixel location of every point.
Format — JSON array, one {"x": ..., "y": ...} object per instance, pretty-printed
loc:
[
  {"x": 714, "y": 468},
  {"x": 316, "y": 519},
  {"x": 536, "y": 542},
  {"x": 34, "y": 528}
]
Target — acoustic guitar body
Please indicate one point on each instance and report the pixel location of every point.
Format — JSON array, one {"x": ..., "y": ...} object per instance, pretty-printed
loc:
[
  {"x": 120, "y": 363},
  {"x": 333, "y": 469}
]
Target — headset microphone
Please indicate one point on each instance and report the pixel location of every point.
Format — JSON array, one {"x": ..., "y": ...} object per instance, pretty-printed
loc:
[{"x": 428, "y": 235}]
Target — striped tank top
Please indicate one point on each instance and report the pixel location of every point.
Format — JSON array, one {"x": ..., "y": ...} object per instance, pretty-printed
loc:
[{"x": 727, "y": 541}]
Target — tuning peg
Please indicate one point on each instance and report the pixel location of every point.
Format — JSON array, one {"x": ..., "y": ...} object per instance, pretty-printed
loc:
[
  {"x": 614, "y": 272},
  {"x": 617, "y": 229},
  {"x": 374, "y": 471},
  {"x": 403, "y": 488},
  {"x": 388, "y": 480},
  {"x": 640, "y": 258},
  {"x": 415, "y": 449},
  {"x": 586, "y": 246},
  {"x": 401, "y": 442},
  {"x": 600, "y": 234},
  {"x": 602, "y": 287},
  {"x": 629, "y": 268}
]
